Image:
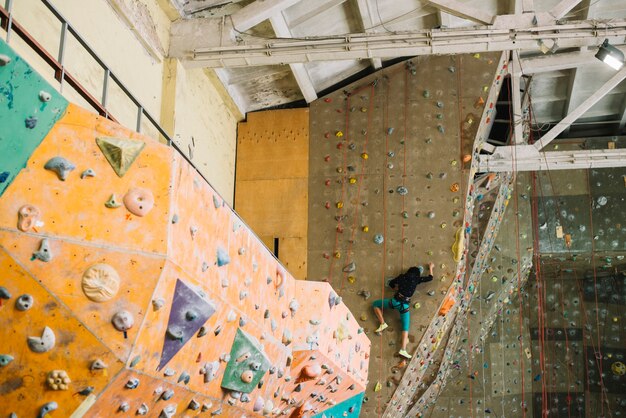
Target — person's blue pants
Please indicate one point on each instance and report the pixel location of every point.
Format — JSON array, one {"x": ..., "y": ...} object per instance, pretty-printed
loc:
[{"x": 392, "y": 303}]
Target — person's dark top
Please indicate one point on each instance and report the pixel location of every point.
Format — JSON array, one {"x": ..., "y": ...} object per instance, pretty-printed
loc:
[{"x": 407, "y": 283}]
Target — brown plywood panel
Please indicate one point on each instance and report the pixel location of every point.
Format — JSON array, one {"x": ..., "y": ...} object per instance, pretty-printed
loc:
[
  {"x": 292, "y": 251},
  {"x": 274, "y": 207},
  {"x": 273, "y": 144}
]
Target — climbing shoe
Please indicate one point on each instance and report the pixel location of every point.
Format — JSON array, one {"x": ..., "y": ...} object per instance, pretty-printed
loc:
[
  {"x": 381, "y": 328},
  {"x": 404, "y": 354}
]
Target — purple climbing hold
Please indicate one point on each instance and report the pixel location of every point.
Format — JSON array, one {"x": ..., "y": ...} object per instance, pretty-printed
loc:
[{"x": 185, "y": 300}]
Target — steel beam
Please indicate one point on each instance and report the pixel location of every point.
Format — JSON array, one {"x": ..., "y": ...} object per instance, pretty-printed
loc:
[
  {"x": 258, "y": 11},
  {"x": 464, "y": 11},
  {"x": 528, "y": 158},
  {"x": 581, "y": 109},
  {"x": 563, "y": 8},
  {"x": 281, "y": 29},
  {"x": 194, "y": 44},
  {"x": 368, "y": 23}
]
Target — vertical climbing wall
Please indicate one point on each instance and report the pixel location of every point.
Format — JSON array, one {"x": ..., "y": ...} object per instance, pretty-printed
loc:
[
  {"x": 387, "y": 191},
  {"x": 128, "y": 287}
]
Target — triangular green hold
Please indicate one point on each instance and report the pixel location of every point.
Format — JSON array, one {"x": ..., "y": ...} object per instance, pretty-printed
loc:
[{"x": 121, "y": 153}]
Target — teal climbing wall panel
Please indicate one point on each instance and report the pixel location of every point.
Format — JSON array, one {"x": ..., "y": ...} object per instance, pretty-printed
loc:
[
  {"x": 350, "y": 408},
  {"x": 29, "y": 107}
]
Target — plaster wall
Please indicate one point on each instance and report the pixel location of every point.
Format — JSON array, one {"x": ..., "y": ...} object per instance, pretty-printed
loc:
[{"x": 131, "y": 37}]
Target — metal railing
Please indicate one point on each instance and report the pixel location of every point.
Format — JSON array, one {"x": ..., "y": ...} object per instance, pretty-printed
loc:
[{"x": 62, "y": 75}]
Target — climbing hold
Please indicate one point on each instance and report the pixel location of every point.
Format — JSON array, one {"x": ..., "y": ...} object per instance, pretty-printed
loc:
[
  {"x": 43, "y": 253},
  {"x": 247, "y": 376},
  {"x": 338, "y": 134},
  {"x": 139, "y": 201},
  {"x": 132, "y": 383},
  {"x": 44, "y": 96},
  {"x": 123, "y": 321},
  {"x": 364, "y": 156},
  {"x": 365, "y": 228},
  {"x": 378, "y": 239},
  {"x": 60, "y": 166},
  {"x": 454, "y": 187},
  {"x": 431, "y": 293},
  {"x": 402, "y": 191},
  {"x": 98, "y": 364},
  {"x": 351, "y": 279},
  {"x": 440, "y": 105},
  {"x": 193, "y": 405},
  {"x": 293, "y": 307},
  {"x": 209, "y": 370},
  {"x": 143, "y": 409},
  {"x": 124, "y": 407},
  {"x": 378, "y": 387},
  {"x": 339, "y": 205},
  {"x": 258, "y": 404},
  {"x": 27, "y": 217},
  {"x": 120, "y": 153},
  {"x": 157, "y": 303},
  {"x": 222, "y": 257},
  {"x": 167, "y": 395},
  {"x": 112, "y": 203},
  {"x": 5, "y": 359},
  {"x": 389, "y": 131},
  {"x": 168, "y": 411},
  {"x": 426, "y": 94},
  {"x": 100, "y": 282},
  {"x": 459, "y": 245},
  {"x": 184, "y": 377},
  {"x": 87, "y": 173},
  {"x": 4, "y": 60},
  {"x": 24, "y": 302},
  {"x": 349, "y": 268},
  {"x": 441, "y": 129},
  {"x": 47, "y": 408},
  {"x": 44, "y": 343},
  {"x": 31, "y": 122}
]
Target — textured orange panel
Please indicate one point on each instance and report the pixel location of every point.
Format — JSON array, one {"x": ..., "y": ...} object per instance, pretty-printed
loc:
[
  {"x": 22, "y": 382},
  {"x": 75, "y": 208}
]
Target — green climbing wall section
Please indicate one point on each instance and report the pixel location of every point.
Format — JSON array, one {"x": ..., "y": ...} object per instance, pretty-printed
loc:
[
  {"x": 29, "y": 107},
  {"x": 349, "y": 408}
]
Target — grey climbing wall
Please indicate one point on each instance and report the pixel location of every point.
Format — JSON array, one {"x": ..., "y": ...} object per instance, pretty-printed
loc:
[{"x": 387, "y": 185}]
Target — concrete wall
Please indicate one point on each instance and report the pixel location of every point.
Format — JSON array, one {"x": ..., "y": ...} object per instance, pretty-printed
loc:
[{"x": 131, "y": 37}]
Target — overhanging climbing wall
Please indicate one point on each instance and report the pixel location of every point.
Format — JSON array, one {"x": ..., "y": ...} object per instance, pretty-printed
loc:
[
  {"x": 128, "y": 287},
  {"x": 387, "y": 186}
]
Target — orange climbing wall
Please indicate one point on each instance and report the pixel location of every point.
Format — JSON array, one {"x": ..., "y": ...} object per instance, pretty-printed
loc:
[
  {"x": 191, "y": 277},
  {"x": 409, "y": 126},
  {"x": 271, "y": 192}
]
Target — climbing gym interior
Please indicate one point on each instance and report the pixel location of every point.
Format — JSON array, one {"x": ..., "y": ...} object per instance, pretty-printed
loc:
[{"x": 202, "y": 200}]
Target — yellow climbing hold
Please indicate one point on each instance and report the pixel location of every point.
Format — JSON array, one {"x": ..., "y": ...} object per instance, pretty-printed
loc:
[
  {"x": 476, "y": 55},
  {"x": 459, "y": 245},
  {"x": 352, "y": 279},
  {"x": 337, "y": 254},
  {"x": 352, "y": 180},
  {"x": 363, "y": 317},
  {"x": 365, "y": 156},
  {"x": 443, "y": 225},
  {"x": 338, "y": 134},
  {"x": 417, "y": 305},
  {"x": 339, "y": 205},
  {"x": 378, "y": 387},
  {"x": 366, "y": 228}
]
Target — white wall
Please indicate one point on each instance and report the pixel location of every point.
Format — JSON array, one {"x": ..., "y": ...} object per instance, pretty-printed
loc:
[{"x": 131, "y": 37}]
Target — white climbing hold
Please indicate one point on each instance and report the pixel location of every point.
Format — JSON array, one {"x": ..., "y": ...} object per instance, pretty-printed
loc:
[{"x": 44, "y": 343}]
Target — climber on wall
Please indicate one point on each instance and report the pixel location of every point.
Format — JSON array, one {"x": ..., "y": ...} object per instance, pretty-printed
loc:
[{"x": 404, "y": 285}]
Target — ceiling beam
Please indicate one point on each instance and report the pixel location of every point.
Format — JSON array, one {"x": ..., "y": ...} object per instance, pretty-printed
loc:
[
  {"x": 528, "y": 6},
  {"x": 622, "y": 122},
  {"x": 320, "y": 6},
  {"x": 516, "y": 98},
  {"x": 581, "y": 109},
  {"x": 281, "y": 29},
  {"x": 527, "y": 158},
  {"x": 573, "y": 86},
  {"x": 258, "y": 11},
  {"x": 463, "y": 10},
  {"x": 367, "y": 23},
  {"x": 210, "y": 47},
  {"x": 563, "y": 8},
  {"x": 560, "y": 61}
]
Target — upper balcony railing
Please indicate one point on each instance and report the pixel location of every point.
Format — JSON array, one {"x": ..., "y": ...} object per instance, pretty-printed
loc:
[{"x": 62, "y": 75}]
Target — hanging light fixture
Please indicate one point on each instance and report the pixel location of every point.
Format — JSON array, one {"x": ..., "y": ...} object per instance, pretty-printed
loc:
[{"x": 610, "y": 55}]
